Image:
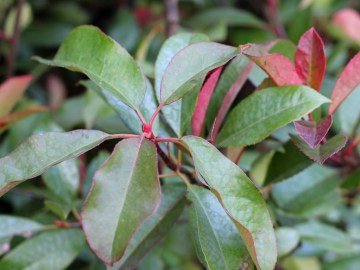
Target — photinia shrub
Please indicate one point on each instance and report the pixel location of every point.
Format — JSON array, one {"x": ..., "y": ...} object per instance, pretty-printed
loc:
[{"x": 131, "y": 204}]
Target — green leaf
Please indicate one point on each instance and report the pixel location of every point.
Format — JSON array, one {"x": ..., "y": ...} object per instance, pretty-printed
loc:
[
  {"x": 219, "y": 239},
  {"x": 189, "y": 67},
  {"x": 178, "y": 115},
  {"x": 11, "y": 225},
  {"x": 263, "y": 112},
  {"x": 241, "y": 199},
  {"x": 86, "y": 49},
  {"x": 125, "y": 192},
  {"x": 286, "y": 164},
  {"x": 41, "y": 151},
  {"x": 60, "y": 210},
  {"x": 350, "y": 262},
  {"x": 54, "y": 250},
  {"x": 155, "y": 228},
  {"x": 287, "y": 240},
  {"x": 325, "y": 236},
  {"x": 323, "y": 151},
  {"x": 305, "y": 189}
]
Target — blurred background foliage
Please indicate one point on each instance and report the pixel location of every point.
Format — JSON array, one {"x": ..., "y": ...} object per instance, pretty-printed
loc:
[{"x": 317, "y": 212}]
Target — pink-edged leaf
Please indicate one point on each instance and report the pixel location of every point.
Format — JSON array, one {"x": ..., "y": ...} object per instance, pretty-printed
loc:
[
  {"x": 323, "y": 151},
  {"x": 348, "y": 20},
  {"x": 348, "y": 80},
  {"x": 310, "y": 59},
  {"x": 11, "y": 90},
  {"x": 311, "y": 132},
  {"x": 197, "y": 121},
  {"x": 279, "y": 68},
  {"x": 7, "y": 120},
  {"x": 125, "y": 192}
]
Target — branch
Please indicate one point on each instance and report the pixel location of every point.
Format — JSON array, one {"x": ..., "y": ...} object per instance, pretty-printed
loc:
[
  {"x": 14, "y": 40},
  {"x": 172, "y": 16}
]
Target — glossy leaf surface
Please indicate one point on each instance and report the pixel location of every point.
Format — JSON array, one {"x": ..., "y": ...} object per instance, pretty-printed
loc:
[
  {"x": 86, "y": 49},
  {"x": 218, "y": 237},
  {"x": 11, "y": 90},
  {"x": 178, "y": 114},
  {"x": 313, "y": 133},
  {"x": 197, "y": 121},
  {"x": 279, "y": 68},
  {"x": 323, "y": 151},
  {"x": 242, "y": 200},
  {"x": 125, "y": 192},
  {"x": 257, "y": 116},
  {"x": 347, "y": 82},
  {"x": 310, "y": 59},
  {"x": 54, "y": 249},
  {"x": 41, "y": 151},
  {"x": 12, "y": 225},
  {"x": 156, "y": 227},
  {"x": 190, "y": 66}
]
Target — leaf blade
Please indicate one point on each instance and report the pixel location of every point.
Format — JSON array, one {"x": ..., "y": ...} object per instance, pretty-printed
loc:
[
  {"x": 310, "y": 59},
  {"x": 181, "y": 77},
  {"x": 347, "y": 82},
  {"x": 265, "y": 111},
  {"x": 17, "y": 167},
  {"x": 88, "y": 50},
  {"x": 236, "y": 192},
  {"x": 135, "y": 161}
]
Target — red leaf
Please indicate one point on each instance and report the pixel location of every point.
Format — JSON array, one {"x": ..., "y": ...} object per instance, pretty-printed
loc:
[
  {"x": 310, "y": 59},
  {"x": 279, "y": 68},
  {"x": 205, "y": 94},
  {"x": 312, "y": 133},
  {"x": 323, "y": 151},
  {"x": 11, "y": 90},
  {"x": 348, "y": 80},
  {"x": 348, "y": 20}
]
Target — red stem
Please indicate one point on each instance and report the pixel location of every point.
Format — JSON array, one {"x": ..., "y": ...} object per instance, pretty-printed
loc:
[
  {"x": 153, "y": 117},
  {"x": 238, "y": 157}
]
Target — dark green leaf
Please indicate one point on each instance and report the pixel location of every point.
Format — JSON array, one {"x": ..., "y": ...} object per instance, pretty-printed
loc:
[
  {"x": 41, "y": 151},
  {"x": 11, "y": 225},
  {"x": 155, "y": 228},
  {"x": 54, "y": 250},
  {"x": 323, "y": 151},
  {"x": 189, "y": 67},
  {"x": 241, "y": 199},
  {"x": 86, "y": 49},
  {"x": 219, "y": 239},
  {"x": 125, "y": 192},
  {"x": 257, "y": 116},
  {"x": 286, "y": 163},
  {"x": 352, "y": 181}
]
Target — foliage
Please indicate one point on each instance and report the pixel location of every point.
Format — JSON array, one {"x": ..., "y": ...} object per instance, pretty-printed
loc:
[{"x": 180, "y": 153}]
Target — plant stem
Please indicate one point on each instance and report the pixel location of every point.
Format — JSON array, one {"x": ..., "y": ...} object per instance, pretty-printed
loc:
[
  {"x": 124, "y": 136},
  {"x": 76, "y": 214},
  {"x": 238, "y": 157},
  {"x": 172, "y": 165},
  {"x": 172, "y": 16},
  {"x": 141, "y": 117},
  {"x": 153, "y": 117},
  {"x": 14, "y": 40}
]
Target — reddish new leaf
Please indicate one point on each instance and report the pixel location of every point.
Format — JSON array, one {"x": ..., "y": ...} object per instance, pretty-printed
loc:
[
  {"x": 7, "y": 120},
  {"x": 310, "y": 60},
  {"x": 11, "y": 90},
  {"x": 348, "y": 80},
  {"x": 197, "y": 121},
  {"x": 311, "y": 132},
  {"x": 323, "y": 151},
  {"x": 278, "y": 67},
  {"x": 348, "y": 20}
]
